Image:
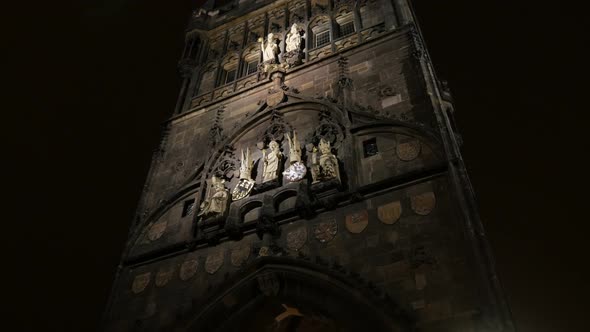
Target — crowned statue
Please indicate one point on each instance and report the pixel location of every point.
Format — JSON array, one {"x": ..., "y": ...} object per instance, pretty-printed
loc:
[
  {"x": 216, "y": 203},
  {"x": 326, "y": 168}
]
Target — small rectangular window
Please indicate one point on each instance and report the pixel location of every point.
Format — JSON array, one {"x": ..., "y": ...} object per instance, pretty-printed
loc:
[
  {"x": 230, "y": 76},
  {"x": 370, "y": 147},
  {"x": 252, "y": 67},
  {"x": 188, "y": 208},
  {"x": 346, "y": 28},
  {"x": 322, "y": 38}
]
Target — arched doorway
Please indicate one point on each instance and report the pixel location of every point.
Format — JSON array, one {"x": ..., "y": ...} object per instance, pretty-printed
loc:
[{"x": 294, "y": 295}]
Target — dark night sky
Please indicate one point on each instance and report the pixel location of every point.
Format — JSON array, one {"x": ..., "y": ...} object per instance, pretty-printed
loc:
[{"x": 103, "y": 78}]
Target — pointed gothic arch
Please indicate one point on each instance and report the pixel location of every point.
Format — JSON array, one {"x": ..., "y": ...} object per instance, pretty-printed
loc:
[{"x": 272, "y": 293}]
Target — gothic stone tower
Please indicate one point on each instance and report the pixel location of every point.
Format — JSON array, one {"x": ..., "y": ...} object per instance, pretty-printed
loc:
[{"x": 309, "y": 180}]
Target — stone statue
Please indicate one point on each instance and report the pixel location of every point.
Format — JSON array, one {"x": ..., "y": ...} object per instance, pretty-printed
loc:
[
  {"x": 270, "y": 50},
  {"x": 216, "y": 204},
  {"x": 246, "y": 165},
  {"x": 327, "y": 167},
  {"x": 272, "y": 161},
  {"x": 293, "y": 42},
  {"x": 294, "y": 148}
]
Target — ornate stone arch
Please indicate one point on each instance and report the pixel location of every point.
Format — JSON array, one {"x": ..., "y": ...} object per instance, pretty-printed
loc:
[{"x": 270, "y": 284}]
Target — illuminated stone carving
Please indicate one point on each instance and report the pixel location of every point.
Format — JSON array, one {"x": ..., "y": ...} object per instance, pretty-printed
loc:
[
  {"x": 326, "y": 168},
  {"x": 272, "y": 161},
  {"x": 293, "y": 42},
  {"x": 270, "y": 49},
  {"x": 246, "y": 183},
  {"x": 216, "y": 204}
]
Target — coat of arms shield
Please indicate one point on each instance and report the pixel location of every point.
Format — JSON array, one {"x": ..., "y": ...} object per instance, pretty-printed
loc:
[
  {"x": 390, "y": 213},
  {"x": 214, "y": 261},
  {"x": 242, "y": 189},
  {"x": 240, "y": 255},
  {"x": 408, "y": 151},
  {"x": 140, "y": 282},
  {"x": 325, "y": 231},
  {"x": 424, "y": 203},
  {"x": 357, "y": 222},
  {"x": 188, "y": 269},
  {"x": 297, "y": 238}
]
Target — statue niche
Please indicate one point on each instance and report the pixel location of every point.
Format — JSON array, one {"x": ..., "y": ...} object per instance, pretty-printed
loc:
[
  {"x": 217, "y": 202},
  {"x": 326, "y": 168}
]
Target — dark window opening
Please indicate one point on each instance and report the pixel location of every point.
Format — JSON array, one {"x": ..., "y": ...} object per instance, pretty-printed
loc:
[
  {"x": 346, "y": 28},
  {"x": 251, "y": 67},
  {"x": 322, "y": 38},
  {"x": 188, "y": 208},
  {"x": 229, "y": 76},
  {"x": 370, "y": 147}
]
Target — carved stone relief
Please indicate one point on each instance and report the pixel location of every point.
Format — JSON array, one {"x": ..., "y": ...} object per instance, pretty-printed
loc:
[
  {"x": 163, "y": 276},
  {"x": 214, "y": 261},
  {"x": 326, "y": 166},
  {"x": 408, "y": 151},
  {"x": 216, "y": 203},
  {"x": 389, "y": 213},
  {"x": 423, "y": 204},
  {"x": 325, "y": 231},
  {"x": 245, "y": 185},
  {"x": 272, "y": 160},
  {"x": 240, "y": 255},
  {"x": 357, "y": 222},
  {"x": 157, "y": 230},
  {"x": 140, "y": 282},
  {"x": 188, "y": 269},
  {"x": 297, "y": 238}
]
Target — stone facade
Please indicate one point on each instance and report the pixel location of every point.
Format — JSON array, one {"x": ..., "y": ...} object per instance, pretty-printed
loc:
[{"x": 392, "y": 243}]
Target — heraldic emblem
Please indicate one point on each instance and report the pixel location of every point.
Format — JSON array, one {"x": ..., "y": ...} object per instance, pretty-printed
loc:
[
  {"x": 325, "y": 230},
  {"x": 245, "y": 185},
  {"x": 424, "y": 203},
  {"x": 297, "y": 238},
  {"x": 357, "y": 222},
  {"x": 390, "y": 213}
]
